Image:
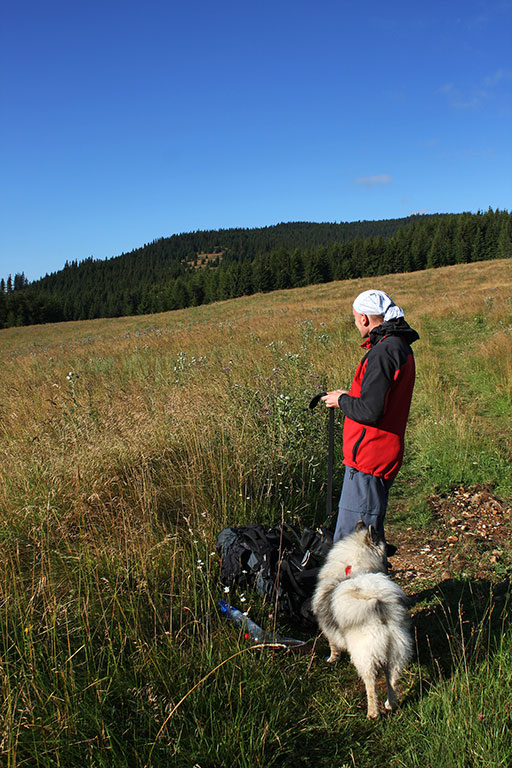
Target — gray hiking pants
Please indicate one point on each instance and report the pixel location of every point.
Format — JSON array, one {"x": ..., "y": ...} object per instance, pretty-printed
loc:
[{"x": 363, "y": 497}]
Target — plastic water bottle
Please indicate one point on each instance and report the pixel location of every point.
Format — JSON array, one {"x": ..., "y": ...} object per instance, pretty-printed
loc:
[{"x": 252, "y": 630}]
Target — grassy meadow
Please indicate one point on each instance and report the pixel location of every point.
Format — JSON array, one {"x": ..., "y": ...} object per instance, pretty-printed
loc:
[{"x": 127, "y": 444}]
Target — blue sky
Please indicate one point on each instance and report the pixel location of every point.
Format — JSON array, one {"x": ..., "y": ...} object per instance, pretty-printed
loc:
[{"x": 123, "y": 122}]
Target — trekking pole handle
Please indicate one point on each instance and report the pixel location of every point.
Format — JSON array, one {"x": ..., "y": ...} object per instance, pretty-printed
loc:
[{"x": 316, "y": 399}]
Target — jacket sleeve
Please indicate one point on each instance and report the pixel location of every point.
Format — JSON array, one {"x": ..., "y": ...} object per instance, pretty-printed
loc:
[{"x": 382, "y": 364}]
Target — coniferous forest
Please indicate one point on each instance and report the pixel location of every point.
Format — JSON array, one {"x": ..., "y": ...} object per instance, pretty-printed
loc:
[{"x": 202, "y": 267}]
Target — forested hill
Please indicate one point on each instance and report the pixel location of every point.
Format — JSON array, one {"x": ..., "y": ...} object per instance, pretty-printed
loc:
[
  {"x": 201, "y": 267},
  {"x": 155, "y": 263}
]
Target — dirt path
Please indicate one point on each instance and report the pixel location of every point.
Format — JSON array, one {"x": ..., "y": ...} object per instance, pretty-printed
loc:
[{"x": 470, "y": 535}]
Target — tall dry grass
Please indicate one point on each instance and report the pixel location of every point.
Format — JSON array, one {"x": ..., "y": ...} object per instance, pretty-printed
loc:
[{"x": 127, "y": 444}]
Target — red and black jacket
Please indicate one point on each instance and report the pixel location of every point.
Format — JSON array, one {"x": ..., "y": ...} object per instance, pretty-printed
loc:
[{"x": 377, "y": 408}]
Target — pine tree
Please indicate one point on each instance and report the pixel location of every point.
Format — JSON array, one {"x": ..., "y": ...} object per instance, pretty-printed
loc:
[
  {"x": 196, "y": 288},
  {"x": 477, "y": 246},
  {"x": 245, "y": 285},
  {"x": 504, "y": 245},
  {"x": 20, "y": 281},
  {"x": 210, "y": 286},
  {"x": 3, "y": 308},
  {"x": 262, "y": 274},
  {"x": 369, "y": 257},
  {"x": 297, "y": 276},
  {"x": 491, "y": 231},
  {"x": 280, "y": 268},
  {"x": 180, "y": 295},
  {"x": 462, "y": 249}
]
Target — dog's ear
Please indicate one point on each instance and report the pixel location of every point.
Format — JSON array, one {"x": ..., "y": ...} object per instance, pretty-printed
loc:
[
  {"x": 373, "y": 536},
  {"x": 360, "y": 526}
]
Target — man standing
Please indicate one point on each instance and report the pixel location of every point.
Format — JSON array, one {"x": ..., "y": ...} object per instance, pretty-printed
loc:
[{"x": 376, "y": 409}]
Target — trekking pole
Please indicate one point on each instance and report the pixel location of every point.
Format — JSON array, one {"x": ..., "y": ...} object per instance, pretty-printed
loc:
[{"x": 330, "y": 461}]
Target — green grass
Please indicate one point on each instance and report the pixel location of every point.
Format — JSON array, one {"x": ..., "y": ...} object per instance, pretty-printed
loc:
[
  {"x": 465, "y": 719},
  {"x": 127, "y": 445}
]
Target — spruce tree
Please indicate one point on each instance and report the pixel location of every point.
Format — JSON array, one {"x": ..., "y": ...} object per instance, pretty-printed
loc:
[
  {"x": 477, "y": 246},
  {"x": 504, "y": 245},
  {"x": 3, "y": 309}
]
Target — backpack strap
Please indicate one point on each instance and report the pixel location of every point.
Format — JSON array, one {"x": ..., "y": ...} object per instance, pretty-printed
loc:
[
  {"x": 294, "y": 537},
  {"x": 254, "y": 538},
  {"x": 297, "y": 588}
]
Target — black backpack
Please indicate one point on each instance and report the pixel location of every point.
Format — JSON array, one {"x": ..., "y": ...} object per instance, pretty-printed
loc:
[{"x": 280, "y": 563}]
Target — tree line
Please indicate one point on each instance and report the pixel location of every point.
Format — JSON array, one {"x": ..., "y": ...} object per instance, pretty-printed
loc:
[{"x": 203, "y": 267}]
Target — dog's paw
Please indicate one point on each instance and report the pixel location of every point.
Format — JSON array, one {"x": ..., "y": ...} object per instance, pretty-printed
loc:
[
  {"x": 332, "y": 658},
  {"x": 390, "y": 706}
]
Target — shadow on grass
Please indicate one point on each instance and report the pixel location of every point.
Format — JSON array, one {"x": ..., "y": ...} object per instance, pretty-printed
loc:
[
  {"x": 460, "y": 623},
  {"x": 455, "y": 624}
]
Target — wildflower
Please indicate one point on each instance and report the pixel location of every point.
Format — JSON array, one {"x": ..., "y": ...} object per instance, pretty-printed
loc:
[
  {"x": 480, "y": 717},
  {"x": 226, "y": 590}
]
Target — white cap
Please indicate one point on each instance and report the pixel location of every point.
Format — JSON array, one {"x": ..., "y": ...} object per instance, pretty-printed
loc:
[{"x": 377, "y": 303}]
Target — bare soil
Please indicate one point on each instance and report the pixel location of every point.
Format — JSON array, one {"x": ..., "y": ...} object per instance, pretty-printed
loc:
[{"x": 470, "y": 535}]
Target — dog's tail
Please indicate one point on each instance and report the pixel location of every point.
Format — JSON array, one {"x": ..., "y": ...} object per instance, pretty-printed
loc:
[
  {"x": 353, "y": 603},
  {"x": 355, "y": 609}
]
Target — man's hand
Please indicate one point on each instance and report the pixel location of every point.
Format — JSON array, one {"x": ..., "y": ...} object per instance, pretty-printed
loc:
[{"x": 331, "y": 398}]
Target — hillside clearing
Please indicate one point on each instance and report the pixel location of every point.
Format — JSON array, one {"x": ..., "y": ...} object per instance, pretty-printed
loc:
[{"x": 128, "y": 444}]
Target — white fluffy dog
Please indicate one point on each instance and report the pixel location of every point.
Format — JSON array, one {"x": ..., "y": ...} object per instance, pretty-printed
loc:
[{"x": 360, "y": 609}]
